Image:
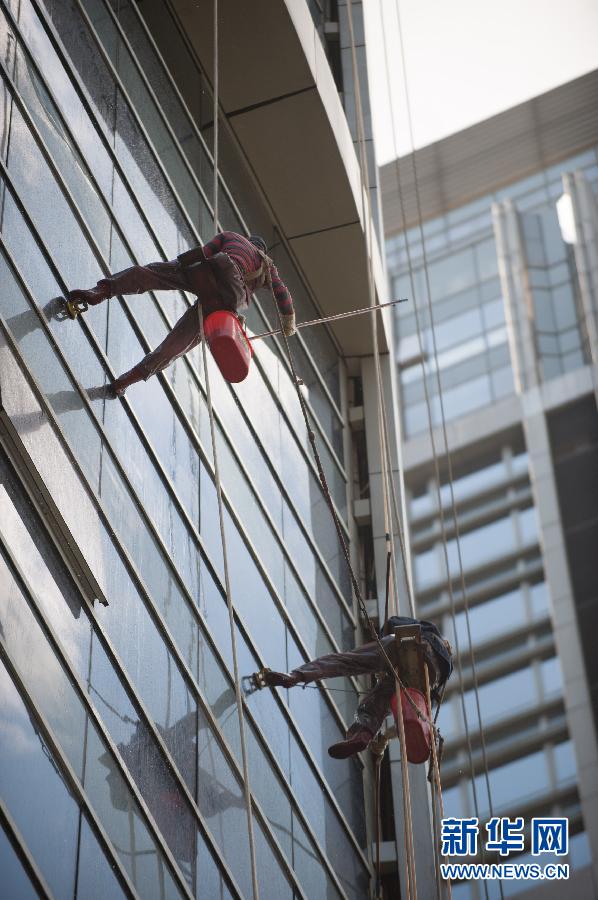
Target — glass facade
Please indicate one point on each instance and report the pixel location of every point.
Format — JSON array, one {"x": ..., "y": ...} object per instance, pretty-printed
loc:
[
  {"x": 531, "y": 764},
  {"x": 472, "y": 356},
  {"x": 496, "y": 557},
  {"x": 122, "y": 720}
]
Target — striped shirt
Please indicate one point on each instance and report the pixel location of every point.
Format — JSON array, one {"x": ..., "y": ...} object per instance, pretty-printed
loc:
[{"x": 247, "y": 259}]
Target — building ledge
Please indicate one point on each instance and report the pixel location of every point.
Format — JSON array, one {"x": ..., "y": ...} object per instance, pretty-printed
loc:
[{"x": 278, "y": 93}]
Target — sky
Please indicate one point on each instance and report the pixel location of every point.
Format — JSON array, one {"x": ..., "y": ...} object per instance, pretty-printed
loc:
[{"x": 467, "y": 60}]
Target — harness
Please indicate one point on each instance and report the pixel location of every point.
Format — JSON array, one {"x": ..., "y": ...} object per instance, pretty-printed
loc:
[
  {"x": 195, "y": 257},
  {"x": 261, "y": 274}
]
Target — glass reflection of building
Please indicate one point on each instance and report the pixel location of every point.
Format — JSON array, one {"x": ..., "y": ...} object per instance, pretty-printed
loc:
[
  {"x": 510, "y": 216},
  {"x": 120, "y": 761}
]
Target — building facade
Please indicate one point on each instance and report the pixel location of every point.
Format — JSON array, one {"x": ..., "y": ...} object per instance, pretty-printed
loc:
[
  {"x": 493, "y": 237},
  {"x": 120, "y": 755}
]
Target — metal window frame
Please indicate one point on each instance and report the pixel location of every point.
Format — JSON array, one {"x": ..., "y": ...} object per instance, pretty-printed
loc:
[
  {"x": 163, "y": 629},
  {"x": 349, "y": 829},
  {"x": 81, "y": 92},
  {"x": 544, "y": 740},
  {"x": 152, "y": 456},
  {"x": 82, "y": 694},
  {"x": 168, "y": 389},
  {"x": 23, "y": 853},
  {"x": 196, "y": 130},
  {"x": 170, "y": 644},
  {"x": 181, "y": 207},
  {"x": 496, "y": 730},
  {"x": 474, "y": 518},
  {"x": 171, "y": 396},
  {"x": 72, "y": 782},
  {"x": 191, "y": 121},
  {"x": 479, "y": 594}
]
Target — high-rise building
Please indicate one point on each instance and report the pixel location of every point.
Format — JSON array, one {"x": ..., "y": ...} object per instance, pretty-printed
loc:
[
  {"x": 492, "y": 234},
  {"x": 121, "y": 767}
]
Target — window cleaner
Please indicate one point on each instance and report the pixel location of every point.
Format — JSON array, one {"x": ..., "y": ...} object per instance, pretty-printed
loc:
[
  {"x": 222, "y": 274},
  {"x": 376, "y": 705}
]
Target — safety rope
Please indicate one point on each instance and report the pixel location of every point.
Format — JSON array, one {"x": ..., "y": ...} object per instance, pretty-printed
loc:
[
  {"x": 445, "y": 437},
  {"x": 229, "y": 602},
  {"x": 378, "y": 823},
  {"x": 386, "y": 467},
  {"x": 338, "y": 527},
  {"x": 436, "y": 468}
]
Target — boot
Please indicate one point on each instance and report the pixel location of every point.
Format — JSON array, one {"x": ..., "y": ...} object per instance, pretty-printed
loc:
[
  {"x": 355, "y": 743},
  {"x": 268, "y": 678}
]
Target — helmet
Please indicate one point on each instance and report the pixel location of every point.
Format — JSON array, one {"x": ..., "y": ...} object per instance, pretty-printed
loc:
[{"x": 258, "y": 242}]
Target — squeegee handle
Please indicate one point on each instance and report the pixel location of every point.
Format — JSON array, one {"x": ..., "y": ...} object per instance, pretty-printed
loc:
[{"x": 343, "y": 315}]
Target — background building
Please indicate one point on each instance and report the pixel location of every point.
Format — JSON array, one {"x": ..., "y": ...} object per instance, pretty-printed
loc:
[
  {"x": 120, "y": 761},
  {"x": 507, "y": 253}
]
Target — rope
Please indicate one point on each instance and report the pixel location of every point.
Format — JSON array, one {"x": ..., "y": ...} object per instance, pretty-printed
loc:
[
  {"x": 378, "y": 766},
  {"x": 448, "y": 456},
  {"x": 445, "y": 437},
  {"x": 384, "y": 458},
  {"x": 385, "y": 450},
  {"x": 229, "y": 602},
  {"x": 215, "y": 113}
]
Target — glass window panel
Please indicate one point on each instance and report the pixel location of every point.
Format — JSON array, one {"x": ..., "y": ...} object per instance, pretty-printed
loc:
[
  {"x": 452, "y": 273},
  {"x": 459, "y": 328},
  {"x": 552, "y": 677},
  {"x": 503, "y": 697},
  {"x": 528, "y": 525},
  {"x": 502, "y": 382},
  {"x": 55, "y": 696},
  {"x": 95, "y": 877},
  {"x": 456, "y": 304},
  {"x": 517, "y": 781},
  {"x": 496, "y": 337},
  {"x": 468, "y": 371},
  {"x": 580, "y": 853},
  {"x": 490, "y": 290},
  {"x": 487, "y": 259},
  {"x": 467, "y": 397},
  {"x": 539, "y": 599},
  {"x": 495, "y": 617},
  {"x": 482, "y": 545},
  {"x": 14, "y": 879},
  {"x": 470, "y": 484},
  {"x": 494, "y": 314},
  {"x": 31, "y": 784},
  {"x": 564, "y": 763}
]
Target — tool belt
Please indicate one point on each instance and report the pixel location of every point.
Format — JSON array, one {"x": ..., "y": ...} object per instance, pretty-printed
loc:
[{"x": 214, "y": 279}]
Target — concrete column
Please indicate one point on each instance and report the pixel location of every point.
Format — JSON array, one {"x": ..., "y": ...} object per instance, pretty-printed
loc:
[
  {"x": 419, "y": 789},
  {"x": 517, "y": 295},
  {"x": 370, "y": 405},
  {"x": 566, "y": 633},
  {"x": 584, "y": 209}
]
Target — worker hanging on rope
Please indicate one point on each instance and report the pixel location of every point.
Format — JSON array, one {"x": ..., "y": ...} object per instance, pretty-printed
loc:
[
  {"x": 369, "y": 659},
  {"x": 222, "y": 274}
]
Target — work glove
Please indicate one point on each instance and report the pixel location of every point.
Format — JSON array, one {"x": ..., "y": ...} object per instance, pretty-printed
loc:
[{"x": 288, "y": 324}]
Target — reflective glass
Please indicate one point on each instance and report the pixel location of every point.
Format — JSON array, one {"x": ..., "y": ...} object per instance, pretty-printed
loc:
[
  {"x": 95, "y": 877},
  {"x": 31, "y": 784},
  {"x": 14, "y": 877},
  {"x": 124, "y": 332},
  {"x": 54, "y": 695}
]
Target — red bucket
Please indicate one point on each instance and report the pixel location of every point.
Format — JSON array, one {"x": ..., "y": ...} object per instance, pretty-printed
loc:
[
  {"x": 417, "y": 732},
  {"x": 229, "y": 345}
]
